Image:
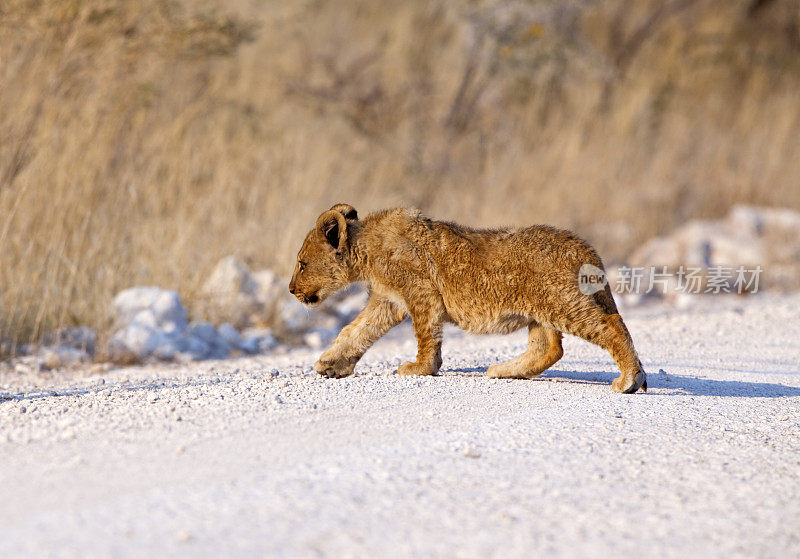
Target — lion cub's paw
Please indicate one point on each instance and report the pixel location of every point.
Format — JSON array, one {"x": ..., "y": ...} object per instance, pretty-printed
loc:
[
  {"x": 412, "y": 368},
  {"x": 628, "y": 384},
  {"x": 336, "y": 368},
  {"x": 509, "y": 370}
]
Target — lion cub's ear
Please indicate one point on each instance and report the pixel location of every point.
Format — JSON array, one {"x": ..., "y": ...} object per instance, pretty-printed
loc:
[
  {"x": 333, "y": 227},
  {"x": 348, "y": 211}
]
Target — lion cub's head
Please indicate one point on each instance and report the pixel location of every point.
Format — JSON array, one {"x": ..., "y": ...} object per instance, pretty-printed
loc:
[{"x": 322, "y": 267}]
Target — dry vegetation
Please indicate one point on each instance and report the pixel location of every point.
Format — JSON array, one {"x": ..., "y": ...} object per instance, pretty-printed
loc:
[{"x": 142, "y": 141}]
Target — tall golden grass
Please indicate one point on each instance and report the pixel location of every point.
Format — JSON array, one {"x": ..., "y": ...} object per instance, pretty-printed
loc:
[{"x": 142, "y": 141}]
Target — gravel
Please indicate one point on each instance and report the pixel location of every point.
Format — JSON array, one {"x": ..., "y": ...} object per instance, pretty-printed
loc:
[{"x": 259, "y": 456}]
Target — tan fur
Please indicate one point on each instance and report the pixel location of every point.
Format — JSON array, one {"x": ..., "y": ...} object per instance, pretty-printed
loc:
[{"x": 485, "y": 281}]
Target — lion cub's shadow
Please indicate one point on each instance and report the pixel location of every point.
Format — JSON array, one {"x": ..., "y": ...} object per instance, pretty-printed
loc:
[
  {"x": 666, "y": 385},
  {"x": 595, "y": 377}
]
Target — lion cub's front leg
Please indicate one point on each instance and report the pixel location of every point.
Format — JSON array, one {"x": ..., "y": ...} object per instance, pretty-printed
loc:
[
  {"x": 377, "y": 318},
  {"x": 335, "y": 363},
  {"x": 428, "y": 331}
]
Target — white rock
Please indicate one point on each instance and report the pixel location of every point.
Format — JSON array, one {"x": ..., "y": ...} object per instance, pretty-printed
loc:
[
  {"x": 267, "y": 343},
  {"x": 190, "y": 348},
  {"x": 151, "y": 306},
  {"x": 194, "y": 347},
  {"x": 150, "y": 320},
  {"x": 166, "y": 351},
  {"x": 146, "y": 317},
  {"x": 230, "y": 335},
  {"x": 204, "y": 331},
  {"x": 258, "y": 340},
  {"x": 139, "y": 339},
  {"x": 250, "y": 345}
]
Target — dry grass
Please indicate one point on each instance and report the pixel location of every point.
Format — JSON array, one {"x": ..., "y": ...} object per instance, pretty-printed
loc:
[{"x": 142, "y": 141}]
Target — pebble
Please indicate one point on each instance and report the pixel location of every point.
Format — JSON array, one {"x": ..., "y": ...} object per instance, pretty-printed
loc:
[
  {"x": 471, "y": 452},
  {"x": 67, "y": 434},
  {"x": 184, "y": 537}
]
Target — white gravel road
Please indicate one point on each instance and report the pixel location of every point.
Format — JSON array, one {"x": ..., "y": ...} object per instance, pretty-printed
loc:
[{"x": 260, "y": 457}]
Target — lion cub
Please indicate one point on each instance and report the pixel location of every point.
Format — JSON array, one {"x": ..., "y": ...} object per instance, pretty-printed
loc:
[{"x": 485, "y": 281}]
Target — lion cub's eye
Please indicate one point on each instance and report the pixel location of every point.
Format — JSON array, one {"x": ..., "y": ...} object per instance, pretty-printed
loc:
[{"x": 302, "y": 265}]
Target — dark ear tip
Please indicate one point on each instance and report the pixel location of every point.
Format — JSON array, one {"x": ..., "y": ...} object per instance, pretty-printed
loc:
[{"x": 348, "y": 211}]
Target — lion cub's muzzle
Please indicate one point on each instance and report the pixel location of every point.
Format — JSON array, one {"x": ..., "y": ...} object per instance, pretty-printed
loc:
[{"x": 303, "y": 298}]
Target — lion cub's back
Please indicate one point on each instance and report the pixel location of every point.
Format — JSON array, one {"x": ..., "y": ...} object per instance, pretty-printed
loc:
[
  {"x": 511, "y": 255},
  {"x": 494, "y": 277}
]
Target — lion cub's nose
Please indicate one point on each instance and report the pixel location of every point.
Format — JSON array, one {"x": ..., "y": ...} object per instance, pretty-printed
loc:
[{"x": 291, "y": 290}]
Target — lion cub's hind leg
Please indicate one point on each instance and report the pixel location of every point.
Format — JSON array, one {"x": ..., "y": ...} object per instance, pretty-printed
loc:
[
  {"x": 544, "y": 349},
  {"x": 609, "y": 332},
  {"x": 617, "y": 341}
]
